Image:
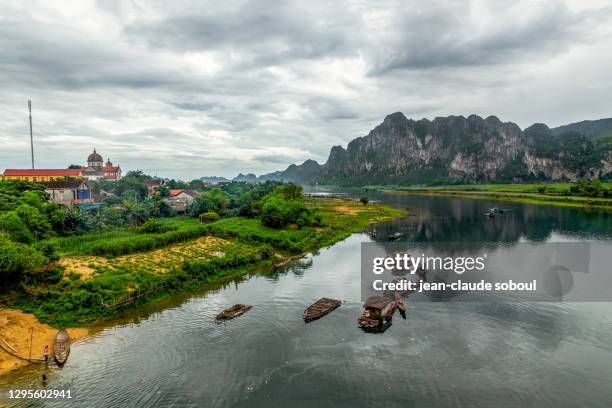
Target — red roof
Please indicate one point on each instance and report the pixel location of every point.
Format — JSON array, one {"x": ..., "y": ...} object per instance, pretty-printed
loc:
[
  {"x": 175, "y": 192},
  {"x": 110, "y": 169},
  {"x": 44, "y": 172}
]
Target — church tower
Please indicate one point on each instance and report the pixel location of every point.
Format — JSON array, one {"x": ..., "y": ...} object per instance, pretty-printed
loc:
[{"x": 95, "y": 160}]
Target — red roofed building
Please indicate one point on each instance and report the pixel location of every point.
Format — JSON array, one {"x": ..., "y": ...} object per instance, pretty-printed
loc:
[
  {"x": 180, "y": 200},
  {"x": 41, "y": 174}
]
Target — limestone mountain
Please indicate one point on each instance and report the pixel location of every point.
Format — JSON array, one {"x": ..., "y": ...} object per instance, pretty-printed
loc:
[
  {"x": 459, "y": 149},
  {"x": 303, "y": 173},
  {"x": 593, "y": 129},
  {"x": 249, "y": 178}
]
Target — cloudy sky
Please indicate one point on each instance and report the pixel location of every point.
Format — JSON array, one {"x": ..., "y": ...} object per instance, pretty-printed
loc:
[{"x": 190, "y": 88}]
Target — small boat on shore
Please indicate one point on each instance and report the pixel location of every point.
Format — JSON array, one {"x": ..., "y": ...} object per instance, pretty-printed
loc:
[
  {"x": 320, "y": 308},
  {"x": 233, "y": 312},
  {"x": 61, "y": 347},
  {"x": 377, "y": 314}
]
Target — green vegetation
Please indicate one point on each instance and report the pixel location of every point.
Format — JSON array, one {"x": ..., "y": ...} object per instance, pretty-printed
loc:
[
  {"x": 17, "y": 259},
  {"x": 93, "y": 267},
  {"x": 585, "y": 193}
]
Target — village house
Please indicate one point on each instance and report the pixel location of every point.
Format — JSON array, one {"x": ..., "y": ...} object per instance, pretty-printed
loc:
[
  {"x": 154, "y": 185},
  {"x": 180, "y": 200},
  {"x": 68, "y": 192}
]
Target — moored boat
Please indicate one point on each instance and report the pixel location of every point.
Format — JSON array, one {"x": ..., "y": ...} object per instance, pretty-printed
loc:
[
  {"x": 320, "y": 308},
  {"x": 233, "y": 312},
  {"x": 378, "y": 313},
  {"x": 61, "y": 347}
]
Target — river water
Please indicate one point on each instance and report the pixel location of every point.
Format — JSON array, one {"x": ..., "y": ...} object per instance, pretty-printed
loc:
[{"x": 493, "y": 354}]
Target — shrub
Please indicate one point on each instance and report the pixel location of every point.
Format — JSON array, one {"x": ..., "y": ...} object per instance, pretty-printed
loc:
[
  {"x": 213, "y": 200},
  {"x": 153, "y": 226},
  {"x": 17, "y": 259},
  {"x": 35, "y": 221},
  {"x": 12, "y": 224},
  {"x": 54, "y": 275},
  {"x": 48, "y": 249},
  {"x": 277, "y": 211},
  {"x": 209, "y": 216},
  {"x": 364, "y": 200}
]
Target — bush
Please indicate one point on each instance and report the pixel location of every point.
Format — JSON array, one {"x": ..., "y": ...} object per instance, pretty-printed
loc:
[
  {"x": 278, "y": 210},
  {"x": 364, "y": 200},
  {"x": 589, "y": 188},
  {"x": 12, "y": 224},
  {"x": 153, "y": 226},
  {"x": 54, "y": 275},
  {"x": 48, "y": 249},
  {"x": 213, "y": 200},
  {"x": 209, "y": 216},
  {"x": 17, "y": 259}
]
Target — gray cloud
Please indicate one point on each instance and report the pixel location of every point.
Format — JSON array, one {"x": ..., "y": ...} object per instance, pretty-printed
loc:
[{"x": 191, "y": 88}]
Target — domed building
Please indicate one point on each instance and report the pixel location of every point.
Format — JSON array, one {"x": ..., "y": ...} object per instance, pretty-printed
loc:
[
  {"x": 95, "y": 160},
  {"x": 97, "y": 170}
]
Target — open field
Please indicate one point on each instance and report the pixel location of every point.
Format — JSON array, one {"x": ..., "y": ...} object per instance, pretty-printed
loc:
[
  {"x": 99, "y": 274},
  {"x": 540, "y": 193}
]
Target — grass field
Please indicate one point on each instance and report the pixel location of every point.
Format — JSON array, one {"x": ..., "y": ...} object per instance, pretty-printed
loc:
[
  {"x": 98, "y": 270},
  {"x": 540, "y": 193}
]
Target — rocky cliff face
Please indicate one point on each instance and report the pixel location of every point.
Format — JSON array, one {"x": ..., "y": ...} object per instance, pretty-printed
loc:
[
  {"x": 402, "y": 149},
  {"x": 456, "y": 148}
]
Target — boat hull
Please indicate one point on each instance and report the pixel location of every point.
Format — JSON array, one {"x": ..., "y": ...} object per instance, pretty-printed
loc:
[
  {"x": 320, "y": 308},
  {"x": 61, "y": 347}
]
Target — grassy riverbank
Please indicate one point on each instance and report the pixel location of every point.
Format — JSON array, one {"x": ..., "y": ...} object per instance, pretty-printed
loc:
[
  {"x": 542, "y": 193},
  {"x": 98, "y": 272}
]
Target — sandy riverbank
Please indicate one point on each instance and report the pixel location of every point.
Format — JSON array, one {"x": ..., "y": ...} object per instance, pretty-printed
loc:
[{"x": 16, "y": 327}]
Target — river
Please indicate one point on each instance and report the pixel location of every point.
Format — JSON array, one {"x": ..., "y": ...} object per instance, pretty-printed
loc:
[{"x": 494, "y": 354}]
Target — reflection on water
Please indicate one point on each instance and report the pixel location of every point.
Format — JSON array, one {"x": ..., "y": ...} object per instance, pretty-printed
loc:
[{"x": 444, "y": 353}]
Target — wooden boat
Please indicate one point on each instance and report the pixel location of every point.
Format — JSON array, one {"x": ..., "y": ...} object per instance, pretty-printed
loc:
[
  {"x": 395, "y": 236},
  {"x": 233, "y": 312},
  {"x": 320, "y": 308},
  {"x": 61, "y": 347},
  {"x": 378, "y": 313}
]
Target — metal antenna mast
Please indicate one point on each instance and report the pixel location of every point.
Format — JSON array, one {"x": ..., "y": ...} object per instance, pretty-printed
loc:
[{"x": 31, "y": 139}]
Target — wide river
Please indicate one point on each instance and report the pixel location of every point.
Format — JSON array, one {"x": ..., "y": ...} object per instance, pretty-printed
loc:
[{"x": 464, "y": 354}]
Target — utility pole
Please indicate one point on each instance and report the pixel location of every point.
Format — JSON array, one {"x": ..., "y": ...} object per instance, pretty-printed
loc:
[{"x": 31, "y": 139}]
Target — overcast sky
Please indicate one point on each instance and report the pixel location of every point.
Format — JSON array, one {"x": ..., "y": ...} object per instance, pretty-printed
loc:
[{"x": 185, "y": 89}]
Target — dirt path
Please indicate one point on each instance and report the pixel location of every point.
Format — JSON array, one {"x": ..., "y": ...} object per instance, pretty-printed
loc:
[{"x": 16, "y": 327}]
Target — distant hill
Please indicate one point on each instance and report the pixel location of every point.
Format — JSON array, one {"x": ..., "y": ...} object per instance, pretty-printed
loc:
[
  {"x": 213, "y": 179},
  {"x": 301, "y": 174},
  {"x": 593, "y": 129},
  {"x": 249, "y": 178},
  {"x": 458, "y": 149}
]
